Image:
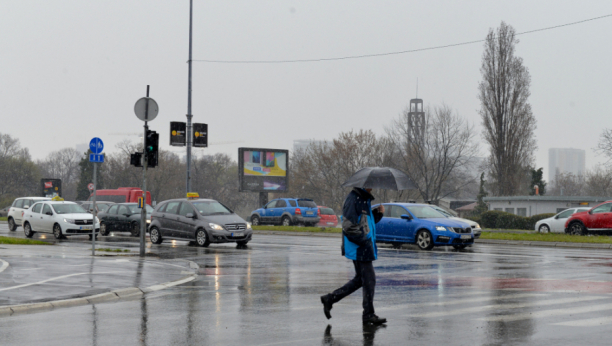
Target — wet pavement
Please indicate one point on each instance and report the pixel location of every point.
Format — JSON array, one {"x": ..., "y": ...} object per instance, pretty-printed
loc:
[{"x": 268, "y": 294}]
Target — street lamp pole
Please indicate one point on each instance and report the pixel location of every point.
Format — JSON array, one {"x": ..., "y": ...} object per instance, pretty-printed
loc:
[{"x": 189, "y": 115}]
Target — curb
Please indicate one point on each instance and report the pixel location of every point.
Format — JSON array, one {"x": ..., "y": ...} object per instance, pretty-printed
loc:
[
  {"x": 303, "y": 234},
  {"x": 112, "y": 296}
]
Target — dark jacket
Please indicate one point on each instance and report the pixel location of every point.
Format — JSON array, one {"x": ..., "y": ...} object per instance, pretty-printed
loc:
[{"x": 359, "y": 226}]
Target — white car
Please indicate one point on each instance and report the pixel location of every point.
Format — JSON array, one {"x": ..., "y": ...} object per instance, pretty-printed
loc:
[
  {"x": 556, "y": 224},
  {"x": 20, "y": 205},
  {"x": 60, "y": 218},
  {"x": 475, "y": 226}
]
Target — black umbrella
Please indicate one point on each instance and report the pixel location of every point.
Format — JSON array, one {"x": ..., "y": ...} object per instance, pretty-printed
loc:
[{"x": 380, "y": 178}]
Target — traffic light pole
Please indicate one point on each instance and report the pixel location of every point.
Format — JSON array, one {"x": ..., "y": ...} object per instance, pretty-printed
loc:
[
  {"x": 189, "y": 115},
  {"x": 143, "y": 211}
]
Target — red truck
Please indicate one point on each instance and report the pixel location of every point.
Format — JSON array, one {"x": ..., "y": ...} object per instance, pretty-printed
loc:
[{"x": 121, "y": 195}]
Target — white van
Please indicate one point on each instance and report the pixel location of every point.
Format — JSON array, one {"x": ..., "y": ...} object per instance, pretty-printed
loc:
[{"x": 20, "y": 205}]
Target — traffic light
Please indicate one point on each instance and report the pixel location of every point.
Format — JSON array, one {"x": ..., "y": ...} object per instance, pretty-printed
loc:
[
  {"x": 151, "y": 148},
  {"x": 136, "y": 159}
]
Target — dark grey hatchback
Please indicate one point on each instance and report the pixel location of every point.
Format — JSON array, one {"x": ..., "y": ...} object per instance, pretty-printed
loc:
[{"x": 204, "y": 221}]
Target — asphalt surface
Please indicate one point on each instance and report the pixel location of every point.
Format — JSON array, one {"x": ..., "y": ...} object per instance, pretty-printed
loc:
[{"x": 268, "y": 294}]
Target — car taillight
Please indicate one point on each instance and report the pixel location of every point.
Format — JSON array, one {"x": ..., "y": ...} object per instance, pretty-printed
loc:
[
  {"x": 298, "y": 211},
  {"x": 23, "y": 212}
]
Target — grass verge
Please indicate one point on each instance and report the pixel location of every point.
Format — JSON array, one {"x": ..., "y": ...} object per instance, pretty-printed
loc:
[
  {"x": 113, "y": 250},
  {"x": 298, "y": 229},
  {"x": 19, "y": 241},
  {"x": 549, "y": 237},
  {"x": 4, "y": 218}
]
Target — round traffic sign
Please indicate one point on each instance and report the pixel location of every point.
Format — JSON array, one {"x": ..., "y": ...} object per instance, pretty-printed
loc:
[
  {"x": 96, "y": 145},
  {"x": 146, "y": 109},
  {"x": 90, "y": 186}
]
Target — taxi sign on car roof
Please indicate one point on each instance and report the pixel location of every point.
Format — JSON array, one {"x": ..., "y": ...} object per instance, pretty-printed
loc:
[
  {"x": 193, "y": 195},
  {"x": 57, "y": 198}
]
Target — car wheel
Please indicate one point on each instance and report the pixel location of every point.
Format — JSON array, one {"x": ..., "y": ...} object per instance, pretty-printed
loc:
[
  {"x": 286, "y": 221},
  {"x": 577, "y": 228},
  {"x": 27, "y": 230},
  {"x": 242, "y": 243},
  {"x": 255, "y": 220},
  {"x": 11, "y": 224},
  {"x": 460, "y": 247},
  {"x": 103, "y": 229},
  {"x": 57, "y": 231},
  {"x": 424, "y": 240},
  {"x": 155, "y": 236},
  {"x": 544, "y": 229},
  {"x": 202, "y": 238},
  {"x": 135, "y": 229}
]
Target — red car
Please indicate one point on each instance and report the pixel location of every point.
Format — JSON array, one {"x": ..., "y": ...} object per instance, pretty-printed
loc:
[
  {"x": 328, "y": 217},
  {"x": 595, "y": 220}
]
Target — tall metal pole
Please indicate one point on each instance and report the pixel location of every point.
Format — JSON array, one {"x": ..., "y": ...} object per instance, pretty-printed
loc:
[
  {"x": 93, "y": 220},
  {"x": 143, "y": 212},
  {"x": 189, "y": 115}
]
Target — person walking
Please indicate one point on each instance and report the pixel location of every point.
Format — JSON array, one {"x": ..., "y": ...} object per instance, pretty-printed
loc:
[{"x": 359, "y": 245}]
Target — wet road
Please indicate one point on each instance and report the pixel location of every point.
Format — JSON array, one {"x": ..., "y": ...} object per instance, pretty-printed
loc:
[{"x": 267, "y": 294}]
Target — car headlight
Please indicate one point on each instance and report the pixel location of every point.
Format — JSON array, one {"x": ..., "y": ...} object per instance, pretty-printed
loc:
[
  {"x": 440, "y": 228},
  {"x": 69, "y": 221},
  {"x": 477, "y": 225},
  {"x": 215, "y": 227},
  {"x": 249, "y": 225},
  {"x": 148, "y": 221}
]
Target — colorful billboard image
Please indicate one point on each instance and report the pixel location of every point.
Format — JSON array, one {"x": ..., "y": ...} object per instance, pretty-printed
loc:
[{"x": 263, "y": 169}]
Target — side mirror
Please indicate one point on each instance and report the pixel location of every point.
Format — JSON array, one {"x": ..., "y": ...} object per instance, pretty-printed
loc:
[
  {"x": 26, "y": 207},
  {"x": 190, "y": 216},
  {"x": 406, "y": 217},
  {"x": 50, "y": 213}
]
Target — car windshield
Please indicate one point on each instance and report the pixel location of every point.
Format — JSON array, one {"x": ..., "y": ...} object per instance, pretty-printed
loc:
[
  {"x": 424, "y": 212},
  {"x": 68, "y": 208},
  {"x": 134, "y": 208},
  {"x": 304, "y": 203},
  {"x": 103, "y": 207},
  {"x": 443, "y": 212},
  {"x": 327, "y": 211},
  {"x": 208, "y": 208}
]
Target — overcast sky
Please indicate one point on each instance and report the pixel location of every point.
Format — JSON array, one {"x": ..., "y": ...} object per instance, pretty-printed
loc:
[{"x": 72, "y": 70}]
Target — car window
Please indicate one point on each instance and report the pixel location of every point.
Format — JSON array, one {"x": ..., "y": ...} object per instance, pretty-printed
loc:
[
  {"x": 326, "y": 211},
  {"x": 281, "y": 204},
  {"x": 36, "y": 208},
  {"x": 443, "y": 212},
  {"x": 124, "y": 210},
  {"x": 103, "y": 207},
  {"x": 389, "y": 210},
  {"x": 271, "y": 205},
  {"x": 18, "y": 203},
  {"x": 292, "y": 203},
  {"x": 172, "y": 207},
  {"x": 304, "y": 203},
  {"x": 186, "y": 208},
  {"x": 68, "y": 208},
  {"x": 134, "y": 208},
  {"x": 47, "y": 209},
  {"x": 162, "y": 208},
  {"x": 113, "y": 209},
  {"x": 565, "y": 214},
  {"x": 604, "y": 208},
  {"x": 425, "y": 212},
  {"x": 27, "y": 203},
  {"x": 207, "y": 208},
  {"x": 397, "y": 211}
]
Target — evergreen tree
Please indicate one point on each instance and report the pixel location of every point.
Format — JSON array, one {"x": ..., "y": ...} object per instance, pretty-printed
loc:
[
  {"x": 86, "y": 177},
  {"x": 536, "y": 179},
  {"x": 481, "y": 206}
]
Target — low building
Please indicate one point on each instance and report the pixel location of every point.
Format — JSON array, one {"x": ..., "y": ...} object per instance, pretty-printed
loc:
[
  {"x": 534, "y": 205},
  {"x": 466, "y": 210}
]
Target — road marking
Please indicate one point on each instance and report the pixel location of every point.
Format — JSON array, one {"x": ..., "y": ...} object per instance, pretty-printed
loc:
[
  {"x": 460, "y": 301},
  {"x": 590, "y": 322},
  {"x": 548, "y": 313},
  {"x": 4, "y": 265},
  {"x": 508, "y": 306},
  {"x": 52, "y": 279}
]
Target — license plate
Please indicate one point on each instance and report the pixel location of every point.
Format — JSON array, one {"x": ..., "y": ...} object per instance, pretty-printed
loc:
[
  {"x": 308, "y": 213},
  {"x": 236, "y": 234},
  {"x": 466, "y": 236},
  {"x": 330, "y": 223},
  {"x": 85, "y": 227}
]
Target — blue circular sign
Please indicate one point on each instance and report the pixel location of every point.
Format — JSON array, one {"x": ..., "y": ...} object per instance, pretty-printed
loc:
[{"x": 96, "y": 145}]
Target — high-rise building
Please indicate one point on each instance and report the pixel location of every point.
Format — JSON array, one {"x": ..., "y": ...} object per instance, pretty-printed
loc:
[{"x": 565, "y": 160}]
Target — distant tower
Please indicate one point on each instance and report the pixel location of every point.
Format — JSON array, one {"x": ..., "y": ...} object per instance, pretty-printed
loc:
[{"x": 416, "y": 121}]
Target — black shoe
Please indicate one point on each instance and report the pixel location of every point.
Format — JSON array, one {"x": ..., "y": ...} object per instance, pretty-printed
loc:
[
  {"x": 327, "y": 305},
  {"x": 373, "y": 319}
]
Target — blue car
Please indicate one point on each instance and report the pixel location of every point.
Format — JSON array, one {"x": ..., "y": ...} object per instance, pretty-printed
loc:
[
  {"x": 422, "y": 225},
  {"x": 287, "y": 212}
]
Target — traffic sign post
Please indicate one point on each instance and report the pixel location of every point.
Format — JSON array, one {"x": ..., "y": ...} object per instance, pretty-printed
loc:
[{"x": 96, "y": 146}]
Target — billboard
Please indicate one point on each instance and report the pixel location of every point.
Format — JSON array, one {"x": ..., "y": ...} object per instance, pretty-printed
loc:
[
  {"x": 178, "y": 133},
  {"x": 263, "y": 170},
  {"x": 51, "y": 187},
  {"x": 200, "y": 135}
]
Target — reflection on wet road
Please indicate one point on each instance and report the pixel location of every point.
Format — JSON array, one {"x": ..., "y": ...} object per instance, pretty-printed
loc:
[{"x": 267, "y": 294}]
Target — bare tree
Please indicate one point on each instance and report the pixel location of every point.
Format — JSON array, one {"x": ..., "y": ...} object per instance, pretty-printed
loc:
[
  {"x": 19, "y": 176},
  {"x": 63, "y": 164},
  {"x": 598, "y": 182},
  {"x": 506, "y": 113},
  {"x": 440, "y": 162},
  {"x": 604, "y": 146},
  {"x": 568, "y": 184}
]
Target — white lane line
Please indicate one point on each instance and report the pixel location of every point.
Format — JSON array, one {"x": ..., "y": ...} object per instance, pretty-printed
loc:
[
  {"x": 548, "y": 313},
  {"x": 52, "y": 279},
  {"x": 4, "y": 265},
  {"x": 461, "y": 301},
  {"x": 589, "y": 322},
  {"x": 507, "y": 306}
]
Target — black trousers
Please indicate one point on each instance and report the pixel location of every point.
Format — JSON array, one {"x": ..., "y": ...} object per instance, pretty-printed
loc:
[{"x": 364, "y": 278}]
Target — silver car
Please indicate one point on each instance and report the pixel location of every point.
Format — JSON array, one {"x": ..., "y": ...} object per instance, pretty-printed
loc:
[{"x": 475, "y": 226}]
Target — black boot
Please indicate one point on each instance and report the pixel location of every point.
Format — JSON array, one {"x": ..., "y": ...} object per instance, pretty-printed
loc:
[
  {"x": 373, "y": 319},
  {"x": 327, "y": 305}
]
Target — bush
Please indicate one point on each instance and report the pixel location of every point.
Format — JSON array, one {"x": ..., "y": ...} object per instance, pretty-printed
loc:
[
  {"x": 474, "y": 218},
  {"x": 502, "y": 220}
]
